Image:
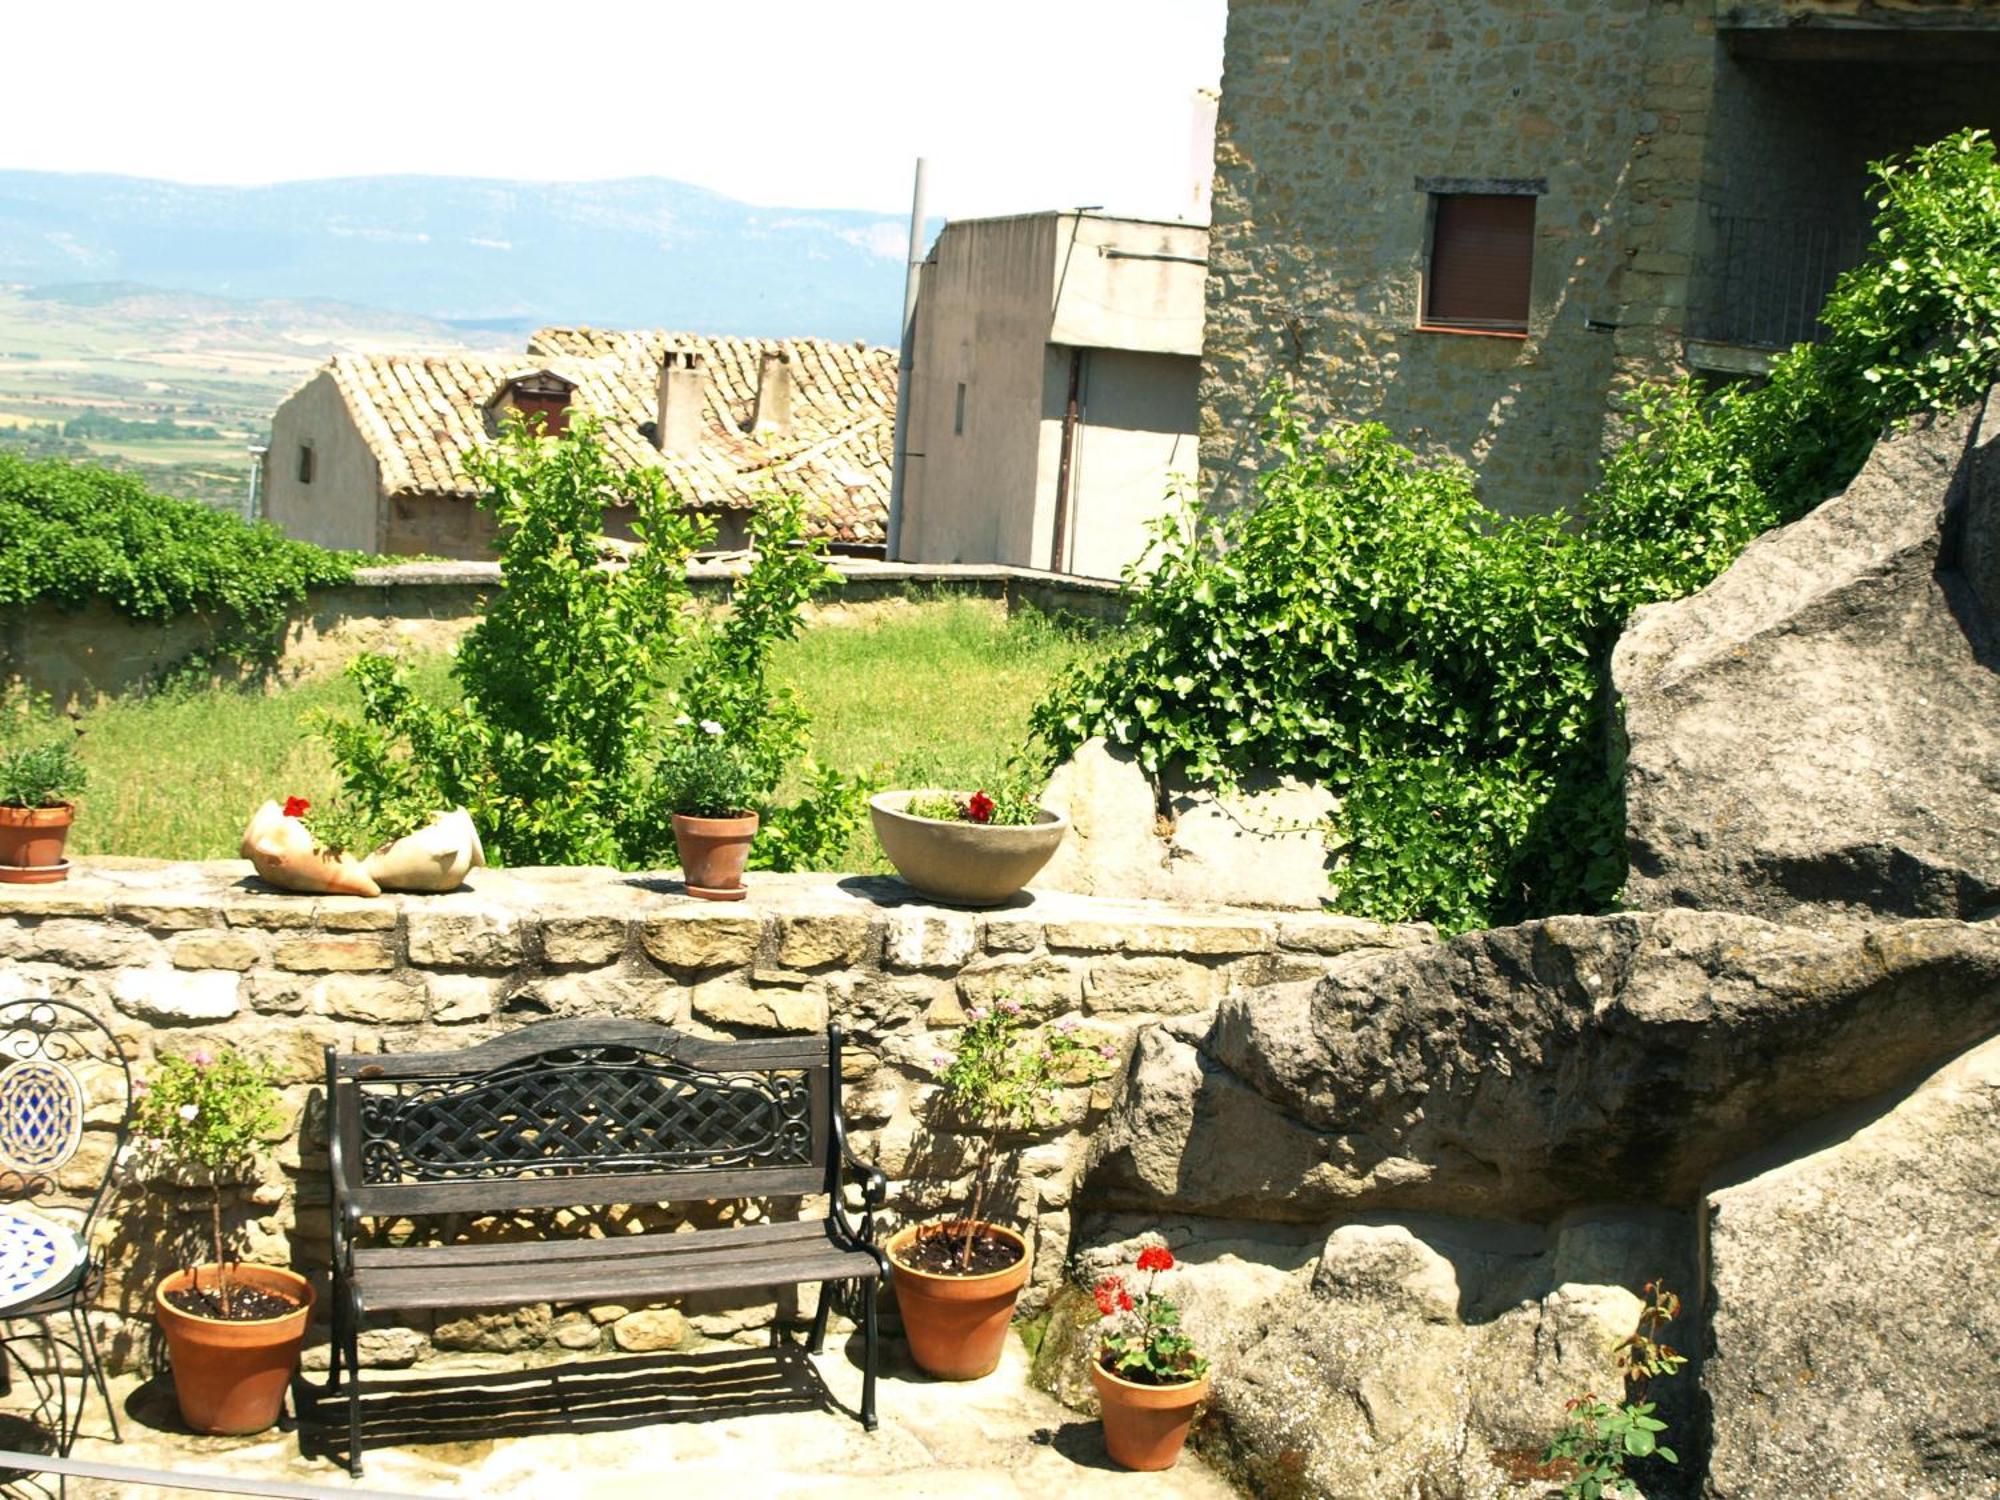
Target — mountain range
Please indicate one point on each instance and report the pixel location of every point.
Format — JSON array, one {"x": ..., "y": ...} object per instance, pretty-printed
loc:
[{"x": 473, "y": 253}]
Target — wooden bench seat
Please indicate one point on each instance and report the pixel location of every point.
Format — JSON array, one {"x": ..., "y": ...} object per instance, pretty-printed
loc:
[{"x": 590, "y": 1114}]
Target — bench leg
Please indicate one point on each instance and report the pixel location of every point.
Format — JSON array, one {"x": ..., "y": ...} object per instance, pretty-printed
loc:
[
  {"x": 816, "y": 1342},
  {"x": 354, "y": 1393},
  {"x": 868, "y": 1352}
]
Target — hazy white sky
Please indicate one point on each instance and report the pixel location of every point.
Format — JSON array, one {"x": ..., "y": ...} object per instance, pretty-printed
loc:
[{"x": 1019, "y": 104}]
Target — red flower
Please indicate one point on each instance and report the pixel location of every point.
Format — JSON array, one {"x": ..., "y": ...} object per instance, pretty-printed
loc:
[
  {"x": 1111, "y": 1296},
  {"x": 295, "y": 807},
  {"x": 980, "y": 808},
  {"x": 1156, "y": 1258}
]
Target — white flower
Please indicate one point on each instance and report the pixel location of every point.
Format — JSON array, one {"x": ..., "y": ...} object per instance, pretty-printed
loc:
[
  {"x": 189, "y": 1111},
  {"x": 683, "y": 721},
  {"x": 709, "y": 726}
]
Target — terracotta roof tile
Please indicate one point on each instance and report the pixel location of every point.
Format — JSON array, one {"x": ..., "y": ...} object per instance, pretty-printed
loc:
[{"x": 422, "y": 415}]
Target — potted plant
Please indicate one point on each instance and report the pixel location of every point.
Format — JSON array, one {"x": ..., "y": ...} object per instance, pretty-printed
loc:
[
  {"x": 39, "y": 785},
  {"x": 233, "y": 1331},
  {"x": 1148, "y": 1376},
  {"x": 315, "y": 857},
  {"x": 708, "y": 780},
  {"x": 957, "y": 1279},
  {"x": 966, "y": 848}
]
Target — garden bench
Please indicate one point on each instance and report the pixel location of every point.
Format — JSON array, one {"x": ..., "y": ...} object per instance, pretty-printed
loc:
[{"x": 592, "y": 1113}]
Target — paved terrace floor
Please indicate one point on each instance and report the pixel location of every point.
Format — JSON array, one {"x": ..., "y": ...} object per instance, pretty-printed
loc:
[{"x": 735, "y": 1424}]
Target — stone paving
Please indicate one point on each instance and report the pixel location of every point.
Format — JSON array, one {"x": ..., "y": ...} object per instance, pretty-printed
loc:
[{"x": 733, "y": 1423}]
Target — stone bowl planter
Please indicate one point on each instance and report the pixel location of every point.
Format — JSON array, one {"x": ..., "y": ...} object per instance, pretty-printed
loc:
[
  {"x": 962, "y": 864},
  {"x": 282, "y": 851}
]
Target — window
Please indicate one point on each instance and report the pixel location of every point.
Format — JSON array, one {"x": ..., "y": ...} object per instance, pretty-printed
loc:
[
  {"x": 958, "y": 413},
  {"x": 305, "y": 463},
  {"x": 1482, "y": 255}
]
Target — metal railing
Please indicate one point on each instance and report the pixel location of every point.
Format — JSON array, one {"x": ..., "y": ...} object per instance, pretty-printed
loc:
[{"x": 1763, "y": 279}]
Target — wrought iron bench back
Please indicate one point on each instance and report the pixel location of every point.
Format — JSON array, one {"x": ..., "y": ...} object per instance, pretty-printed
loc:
[{"x": 580, "y": 1113}]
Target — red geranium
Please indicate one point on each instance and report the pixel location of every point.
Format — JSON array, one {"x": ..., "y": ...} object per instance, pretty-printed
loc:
[
  {"x": 979, "y": 808},
  {"x": 1112, "y": 1298},
  {"x": 295, "y": 807},
  {"x": 1156, "y": 1258}
]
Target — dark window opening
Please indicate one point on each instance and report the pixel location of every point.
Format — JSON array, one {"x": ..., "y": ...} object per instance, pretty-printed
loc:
[
  {"x": 305, "y": 463},
  {"x": 1480, "y": 263},
  {"x": 958, "y": 413},
  {"x": 551, "y": 410}
]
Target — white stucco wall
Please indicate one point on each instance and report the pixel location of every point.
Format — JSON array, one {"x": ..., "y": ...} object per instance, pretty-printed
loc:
[
  {"x": 1135, "y": 440},
  {"x": 339, "y": 507}
]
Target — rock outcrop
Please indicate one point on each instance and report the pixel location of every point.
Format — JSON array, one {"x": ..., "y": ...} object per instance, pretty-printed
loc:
[
  {"x": 1819, "y": 728},
  {"x": 1263, "y": 845},
  {"x": 1855, "y": 1320},
  {"x": 1525, "y": 1071}
]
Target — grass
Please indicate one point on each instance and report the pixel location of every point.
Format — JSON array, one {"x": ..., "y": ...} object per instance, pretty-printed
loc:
[{"x": 934, "y": 693}]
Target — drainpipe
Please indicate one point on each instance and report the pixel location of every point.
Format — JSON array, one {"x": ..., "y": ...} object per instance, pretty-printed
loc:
[
  {"x": 257, "y": 452},
  {"x": 1059, "y": 540},
  {"x": 905, "y": 363}
]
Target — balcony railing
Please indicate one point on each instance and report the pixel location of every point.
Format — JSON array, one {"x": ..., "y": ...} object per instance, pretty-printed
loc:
[{"x": 1763, "y": 279}]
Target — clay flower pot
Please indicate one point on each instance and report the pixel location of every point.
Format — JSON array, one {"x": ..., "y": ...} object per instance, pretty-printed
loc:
[
  {"x": 31, "y": 843},
  {"x": 713, "y": 852},
  {"x": 436, "y": 858},
  {"x": 956, "y": 1325},
  {"x": 1145, "y": 1426},
  {"x": 282, "y": 850},
  {"x": 231, "y": 1377},
  {"x": 962, "y": 864}
]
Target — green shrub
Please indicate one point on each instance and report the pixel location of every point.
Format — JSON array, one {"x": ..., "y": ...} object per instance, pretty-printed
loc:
[
  {"x": 1369, "y": 624},
  {"x": 47, "y": 773},
  {"x": 553, "y": 748},
  {"x": 73, "y": 534}
]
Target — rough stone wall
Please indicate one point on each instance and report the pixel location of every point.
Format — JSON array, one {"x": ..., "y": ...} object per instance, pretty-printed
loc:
[
  {"x": 177, "y": 957},
  {"x": 1639, "y": 120}
]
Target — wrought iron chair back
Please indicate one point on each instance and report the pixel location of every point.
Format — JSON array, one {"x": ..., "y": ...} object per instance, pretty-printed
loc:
[
  {"x": 581, "y": 1113},
  {"x": 61, "y": 1071}
]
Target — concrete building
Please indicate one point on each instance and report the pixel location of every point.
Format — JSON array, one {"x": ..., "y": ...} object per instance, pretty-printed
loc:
[
  {"x": 1480, "y": 221},
  {"x": 1054, "y": 386},
  {"x": 371, "y": 452}
]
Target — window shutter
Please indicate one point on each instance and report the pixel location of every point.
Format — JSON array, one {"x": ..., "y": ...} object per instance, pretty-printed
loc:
[{"x": 1482, "y": 257}]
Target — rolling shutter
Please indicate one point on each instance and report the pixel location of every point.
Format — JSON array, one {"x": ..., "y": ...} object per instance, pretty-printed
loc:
[{"x": 1482, "y": 256}]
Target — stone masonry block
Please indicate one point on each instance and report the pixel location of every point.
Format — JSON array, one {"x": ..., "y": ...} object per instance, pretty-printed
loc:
[
  {"x": 376, "y": 999},
  {"x": 458, "y": 998},
  {"x": 729, "y": 1002},
  {"x": 354, "y": 914},
  {"x": 171, "y": 996},
  {"x": 702, "y": 938},
  {"x": 1043, "y": 986},
  {"x": 219, "y": 949},
  {"x": 346, "y": 954},
  {"x": 79, "y": 944},
  {"x": 588, "y": 941},
  {"x": 929, "y": 940},
  {"x": 1150, "y": 986},
  {"x": 474, "y": 939},
  {"x": 1194, "y": 935},
  {"x": 817, "y": 942}
]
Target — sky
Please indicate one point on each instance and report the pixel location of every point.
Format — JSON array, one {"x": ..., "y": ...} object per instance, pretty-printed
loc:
[{"x": 1018, "y": 105}]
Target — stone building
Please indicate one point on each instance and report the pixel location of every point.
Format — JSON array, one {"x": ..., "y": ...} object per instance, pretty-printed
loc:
[
  {"x": 371, "y": 452},
  {"x": 1480, "y": 221},
  {"x": 1053, "y": 405}
]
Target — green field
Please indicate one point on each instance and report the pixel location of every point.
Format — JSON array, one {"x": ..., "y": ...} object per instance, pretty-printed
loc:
[{"x": 931, "y": 694}]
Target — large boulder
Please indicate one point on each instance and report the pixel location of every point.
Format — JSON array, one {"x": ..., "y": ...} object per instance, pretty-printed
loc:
[
  {"x": 1854, "y": 1334},
  {"x": 1819, "y": 728},
  {"x": 1521, "y": 1072},
  {"x": 1261, "y": 845}
]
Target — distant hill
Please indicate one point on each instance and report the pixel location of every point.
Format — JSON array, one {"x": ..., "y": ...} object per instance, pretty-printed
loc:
[{"x": 472, "y": 253}]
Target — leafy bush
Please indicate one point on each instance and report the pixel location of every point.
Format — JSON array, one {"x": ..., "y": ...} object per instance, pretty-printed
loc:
[
  {"x": 1368, "y": 623},
  {"x": 702, "y": 773},
  {"x": 72, "y": 533},
  {"x": 553, "y": 749}
]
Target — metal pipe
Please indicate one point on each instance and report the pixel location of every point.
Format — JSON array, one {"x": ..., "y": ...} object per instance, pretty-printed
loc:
[
  {"x": 905, "y": 365},
  {"x": 1059, "y": 538}
]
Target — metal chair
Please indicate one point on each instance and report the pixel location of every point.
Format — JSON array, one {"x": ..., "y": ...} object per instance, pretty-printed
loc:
[{"x": 61, "y": 1072}]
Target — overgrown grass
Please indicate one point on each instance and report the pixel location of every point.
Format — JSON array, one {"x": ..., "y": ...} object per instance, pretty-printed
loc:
[{"x": 934, "y": 694}]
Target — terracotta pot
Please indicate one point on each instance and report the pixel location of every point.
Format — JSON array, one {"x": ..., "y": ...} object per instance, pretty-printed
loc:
[
  {"x": 31, "y": 843},
  {"x": 282, "y": 851},
  {"x": 436, "y": 858},
  {"x": 1145, "y": 1426},
  {"x": 962, "y": 864},
  {"x": 713, "y": 851},
  {"x": 956, "y": 1325},
  {"x": 231, "y": 1377}
]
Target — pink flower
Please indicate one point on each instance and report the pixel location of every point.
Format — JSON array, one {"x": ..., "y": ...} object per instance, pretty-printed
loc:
[{"x": 202, "y": 1057}]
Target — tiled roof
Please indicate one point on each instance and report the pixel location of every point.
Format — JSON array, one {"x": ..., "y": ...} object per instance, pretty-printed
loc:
[{"x": 423, "y": 414}]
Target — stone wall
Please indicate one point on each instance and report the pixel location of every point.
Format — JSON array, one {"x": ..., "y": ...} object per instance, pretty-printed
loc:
[
  {"x": 180, "y": 956},
  {"x": 1643, "y": 120},
  {"x": 79, "y": 655}
]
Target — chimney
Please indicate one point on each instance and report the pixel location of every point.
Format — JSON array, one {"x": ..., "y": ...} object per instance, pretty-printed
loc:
[
  {"x": 683, "y": 403},
  {"x": 774, "y": 394}
]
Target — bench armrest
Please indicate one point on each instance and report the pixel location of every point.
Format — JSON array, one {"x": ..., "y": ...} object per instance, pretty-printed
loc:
[
  {"x": 853, "y": 1172},
  {"x": 346, "y": 1220}
]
